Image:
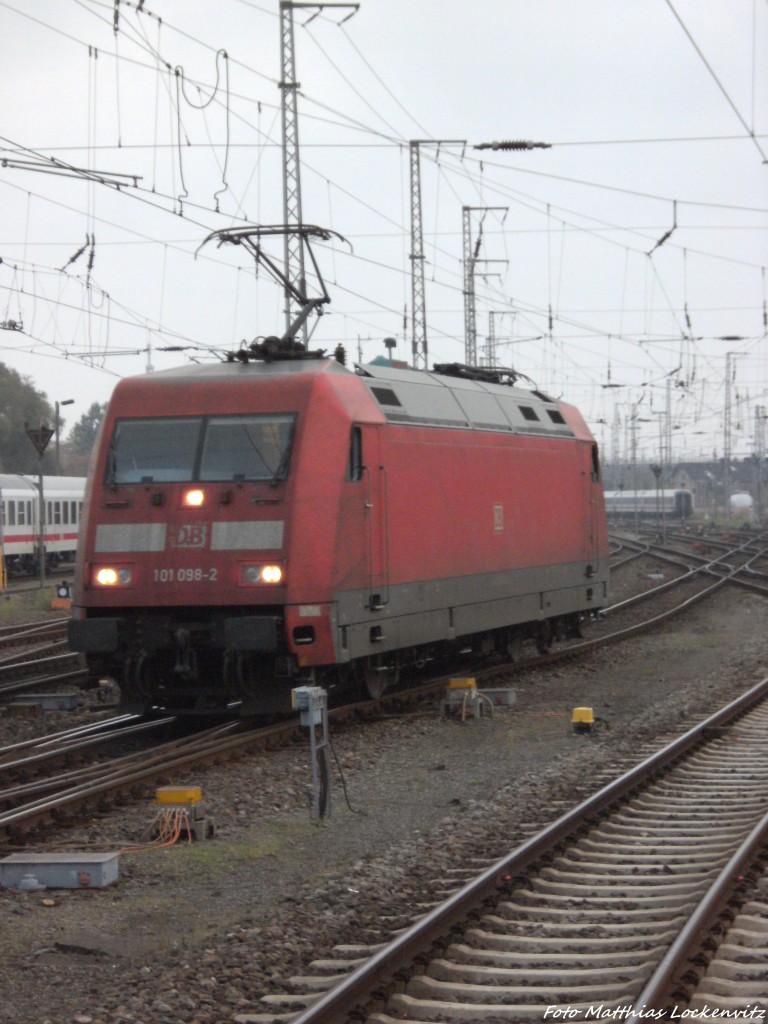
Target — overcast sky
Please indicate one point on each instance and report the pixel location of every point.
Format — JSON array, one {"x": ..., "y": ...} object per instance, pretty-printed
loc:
[{"x": 614, "y": 262}]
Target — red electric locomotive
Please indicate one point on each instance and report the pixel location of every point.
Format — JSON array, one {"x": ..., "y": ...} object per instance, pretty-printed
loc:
[{"x": 255, "y": 525}]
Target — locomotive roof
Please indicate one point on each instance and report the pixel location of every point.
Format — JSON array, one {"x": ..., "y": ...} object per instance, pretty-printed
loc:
[
  {"x": 255, "y": 369},
  {"x": 421, "y": 396},
  {"x": 407, "y": 396}
]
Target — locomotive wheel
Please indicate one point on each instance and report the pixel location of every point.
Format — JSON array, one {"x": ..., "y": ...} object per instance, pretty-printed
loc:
[
  {"x": 228, "y": 675},
  {"x": 134, "y": 692},
  {"x": 245, "y": 674},
  {"x": 380, "y": 677}
]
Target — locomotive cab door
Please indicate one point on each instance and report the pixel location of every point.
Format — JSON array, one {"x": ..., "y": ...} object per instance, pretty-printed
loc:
[
  {"x": 593, "y": 478},
  {"x": 374, "y": 480}
]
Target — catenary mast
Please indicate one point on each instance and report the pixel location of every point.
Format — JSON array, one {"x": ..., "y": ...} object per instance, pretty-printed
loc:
[
  {"x": 289, "y": 87},
  {"x": 418, "y": 296}
]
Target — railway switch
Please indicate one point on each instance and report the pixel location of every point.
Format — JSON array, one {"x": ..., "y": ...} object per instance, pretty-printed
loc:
[
  {"x": 181, "y": 815},
  {"x": 179, "y": 795},
  {"x": 582, "y": 719},
  {"x": 464, "y": 700},
  {"x": 312, "y": 704}
]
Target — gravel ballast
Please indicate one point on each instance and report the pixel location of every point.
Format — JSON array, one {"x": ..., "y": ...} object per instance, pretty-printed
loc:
[{"x": 199, "y": 932}]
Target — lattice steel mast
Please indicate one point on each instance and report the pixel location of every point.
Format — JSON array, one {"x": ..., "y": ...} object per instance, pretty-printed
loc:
[
  {"x": 292, "y": 247},
  {"x": 470, "y": 258},
  {"x": 470, "y": 316},
  {"x": 292, "y": 211},
  {"x": 418, "y": 294},
  {"x": 418, "y": 302},
  {"x": 759, "y": 459}
]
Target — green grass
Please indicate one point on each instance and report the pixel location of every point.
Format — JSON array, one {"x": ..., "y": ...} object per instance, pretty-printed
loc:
[
  {"x": 216, "y": 859},
  {"x": 27, "y": 605}
]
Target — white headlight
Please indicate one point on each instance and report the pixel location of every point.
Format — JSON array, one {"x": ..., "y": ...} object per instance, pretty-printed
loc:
[
  {"x": 258, "y": 575},
  {"x": 113, "y": 576}
]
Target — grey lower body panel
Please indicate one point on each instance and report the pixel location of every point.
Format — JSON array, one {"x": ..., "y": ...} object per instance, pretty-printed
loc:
[
  {"x": 412, "y": 614},
  {"x": 150, "y": 631}
]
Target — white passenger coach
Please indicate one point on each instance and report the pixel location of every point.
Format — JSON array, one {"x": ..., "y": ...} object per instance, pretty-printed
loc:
[{"x": 20, "y": 521}]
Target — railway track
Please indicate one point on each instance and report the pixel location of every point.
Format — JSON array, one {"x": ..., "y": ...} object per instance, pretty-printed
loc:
[
  {"x": 451, "y": 880},
  {"x": 684, "y": 549},
  {"x": 35, "y": 654},
  {"x": 34, "y": 802},
  {"x": 615, "y": 907},
  {"x": 25, "y": 805},
  {"x": 51, "y": 665},
  {"x": 31, "y": 633},
  {"x": 34, "y": 756}
]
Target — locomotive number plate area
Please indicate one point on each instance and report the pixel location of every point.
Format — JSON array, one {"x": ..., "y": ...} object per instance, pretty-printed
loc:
[
  {"x": 187, "y": 535},
  {"x": 196, "y": 575}
]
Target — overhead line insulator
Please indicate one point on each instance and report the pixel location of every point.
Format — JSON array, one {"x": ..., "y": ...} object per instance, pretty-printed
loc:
[{"x": 514, "y": 144}]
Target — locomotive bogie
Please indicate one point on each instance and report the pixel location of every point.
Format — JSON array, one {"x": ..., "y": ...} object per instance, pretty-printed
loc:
[{"x": 308, "y": 522}]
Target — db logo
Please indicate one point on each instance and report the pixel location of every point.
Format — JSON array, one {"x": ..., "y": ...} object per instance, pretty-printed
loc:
[{"x": 191, "y": 535}]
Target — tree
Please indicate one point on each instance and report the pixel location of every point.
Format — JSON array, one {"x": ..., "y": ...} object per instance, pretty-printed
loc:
[
  {"x": 82, "y": 436},
  {"x": 22, "y": 406}
]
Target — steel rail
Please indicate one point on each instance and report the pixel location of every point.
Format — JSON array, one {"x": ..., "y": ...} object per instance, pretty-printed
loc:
[
  {"x": 10, "y": 633},
  {"x": 28, "y": 684},
  {"x": 64, "y": 734},
  {"x": 12, "y": 660},
  {"x": 696, "y": 571},
  {"x": 77, "y": 744}
]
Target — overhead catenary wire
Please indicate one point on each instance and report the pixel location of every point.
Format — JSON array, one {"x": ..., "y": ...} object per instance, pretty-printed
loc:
[
  {"x": 718, "y": 83},
  {"x": 457, "y": 178},
  {"x": 384, "y": 307}
]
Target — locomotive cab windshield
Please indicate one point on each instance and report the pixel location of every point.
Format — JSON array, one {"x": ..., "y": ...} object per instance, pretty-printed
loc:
[{"x": 201, "y": 449}]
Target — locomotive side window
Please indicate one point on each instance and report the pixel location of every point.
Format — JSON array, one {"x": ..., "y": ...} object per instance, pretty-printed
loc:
[
  {"x": 386, "y": 396},
  {"x": 246, "y": 448},
  {"x": 355, "y": 463},
  {"x": 595, "y": 464},
  {"x": 529, "y": 413}
]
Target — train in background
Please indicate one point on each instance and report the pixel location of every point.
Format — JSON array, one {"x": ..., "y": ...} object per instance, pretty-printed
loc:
[
  {"x": 672, "y": 504},
  {"x": 280, "y": 519},
  {"x": 20, "y": 521}
]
